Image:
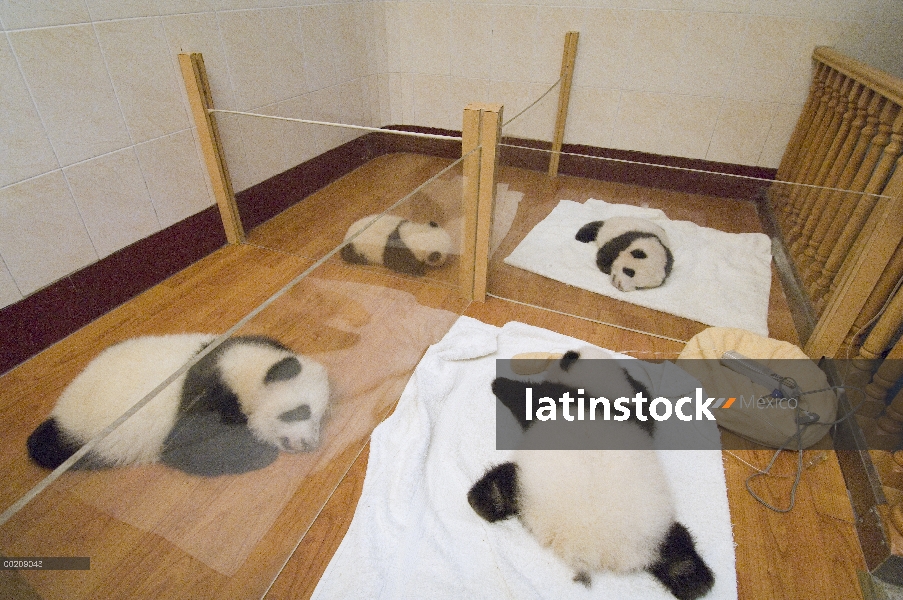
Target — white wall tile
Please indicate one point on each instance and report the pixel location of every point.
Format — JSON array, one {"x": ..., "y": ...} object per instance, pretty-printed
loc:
[
  {"x": 687, "y": 125},
  {"x": 658, "y": 37},
  {"x": 350, "y": 59},
  {"x": 741, "y": 131},
  {"x": 101, "y": 10},
  {"x": 144, "y": 77},
  {"x": 639, "y": 122},
  {"x": 65, "y": 71},
  {"x": 318, "y": 31},
  {"x": 9, "y": 292},
  {"x": 179, "y": 7},
  {"x": 604, "y": 48},
  {"x": 514, "y": 35},
  {"x": 470, "y": 33},
  {"x": 592, "y": 116},
  {"x": 782, "y": 126},
  {"x": 428, "y": 32},
  {"x": 23, "y": 14},
  {"x": 24, "y": 144},
  {"x": 710, "y": 53},
  {"x": 42, "y": 237},
  {"x": 176, "y": 178},
  {"x": 113, "y": 201},
  {"x": 244, "y": 40}
]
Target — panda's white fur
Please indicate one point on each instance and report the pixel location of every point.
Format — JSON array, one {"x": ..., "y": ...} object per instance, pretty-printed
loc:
[
  {"x": 634, "y": 252},
  {"x": 597, "y": 510},
  {"x": 397, "y": 243},
  {"x": 124, "y": 373}
]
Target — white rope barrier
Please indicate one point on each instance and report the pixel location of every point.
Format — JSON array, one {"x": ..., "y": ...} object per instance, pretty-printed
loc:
[{"x": 432, "y": 136}]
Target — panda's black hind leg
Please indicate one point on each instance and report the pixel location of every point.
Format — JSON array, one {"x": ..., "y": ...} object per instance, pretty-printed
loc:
[
  {"x": 680, "y": 568},
  {"x": 48, "y": 446}
]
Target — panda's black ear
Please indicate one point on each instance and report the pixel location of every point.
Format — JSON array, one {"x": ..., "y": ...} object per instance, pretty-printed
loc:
[
  {"x": 285, "y": 369},
  {"x": 434, "y": 224},
  {"x": 494, "y": 496},
  {"x": 589, "y": 232},
  {"x": 568, "y": 360}
]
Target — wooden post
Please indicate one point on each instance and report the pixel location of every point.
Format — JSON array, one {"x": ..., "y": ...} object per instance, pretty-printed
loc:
[
  {"x": 482, "y": 127},
  {"x": 564, "y": 97},
  {"x": 195, "y": 76}
]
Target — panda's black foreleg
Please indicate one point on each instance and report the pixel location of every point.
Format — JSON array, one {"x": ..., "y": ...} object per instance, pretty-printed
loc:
[
  {"x": 680, "y": 568},
  {"x": 589, "y": 232},
  {"x": 50, "y": 447}
]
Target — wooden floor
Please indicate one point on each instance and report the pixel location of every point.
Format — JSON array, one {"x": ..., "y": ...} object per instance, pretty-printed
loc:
[{"x": 153, "y": 533}]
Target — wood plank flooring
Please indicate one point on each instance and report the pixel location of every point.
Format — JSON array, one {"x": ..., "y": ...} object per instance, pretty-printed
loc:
[{"x": 153, "y": 533}]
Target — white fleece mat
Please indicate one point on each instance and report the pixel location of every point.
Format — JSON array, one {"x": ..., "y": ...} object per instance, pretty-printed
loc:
[
  {"x": 415, "y": 536},
  {"x": 720, "y": 279}
]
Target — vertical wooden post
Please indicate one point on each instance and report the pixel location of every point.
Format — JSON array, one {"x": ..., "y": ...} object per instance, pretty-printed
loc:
[
  {"x": 482, "y": 127},
  {"x": 195, "y": 76},
  {"x": 564, "y": 97}
]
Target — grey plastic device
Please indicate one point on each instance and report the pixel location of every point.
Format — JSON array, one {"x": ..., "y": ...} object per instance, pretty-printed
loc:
[{"x": 781, "y": 387}]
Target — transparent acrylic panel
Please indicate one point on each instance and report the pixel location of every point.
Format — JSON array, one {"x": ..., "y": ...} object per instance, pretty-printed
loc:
[
  {"x": 724, "y": 272},
  {"x": 161, "y": 530}
]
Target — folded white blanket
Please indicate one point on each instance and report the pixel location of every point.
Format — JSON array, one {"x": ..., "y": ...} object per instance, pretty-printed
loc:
[
  {"x": 720, "y": 279},
  {"x": 415, "y": 536}
]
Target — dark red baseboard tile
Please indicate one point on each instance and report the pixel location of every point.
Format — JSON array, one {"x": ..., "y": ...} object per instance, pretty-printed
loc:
[{"x": 49, "y": 315}]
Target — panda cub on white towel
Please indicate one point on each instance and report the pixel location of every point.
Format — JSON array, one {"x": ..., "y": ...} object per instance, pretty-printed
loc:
[
  {"x": 396, "y": 243},
  {"x": 232, "y": 412},
  {"x": 597, "y": 510},
  {"x": 634, "y": 251}
]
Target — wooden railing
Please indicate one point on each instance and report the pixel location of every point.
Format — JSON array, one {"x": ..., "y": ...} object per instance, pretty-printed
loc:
[{"x": 844, "y": 227}]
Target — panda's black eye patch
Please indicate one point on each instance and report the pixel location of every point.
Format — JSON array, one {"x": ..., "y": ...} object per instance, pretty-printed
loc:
[
  {"x": 301, "y": 413},
  {"x": 285, "y": 369},
  {"x": 628, "y": 272},
  {"x": 637, "y": 253}
]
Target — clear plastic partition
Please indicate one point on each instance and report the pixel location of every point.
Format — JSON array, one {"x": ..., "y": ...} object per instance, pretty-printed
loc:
[
  {"x": 282, "y": 360},
  {"x": 682, "y": 250},
  {"x": 409, "y": 203}
]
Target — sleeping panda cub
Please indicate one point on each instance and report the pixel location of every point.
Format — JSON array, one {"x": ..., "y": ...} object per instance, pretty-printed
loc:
[
  {"x": 396, "y": 243},
  {"x": 634, "y": 251},
  {"x": 597, "y": 510},
  {"x": 231, "y": 412}
]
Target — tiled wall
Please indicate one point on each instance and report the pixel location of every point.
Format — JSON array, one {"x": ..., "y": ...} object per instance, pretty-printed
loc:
[
  {"x": 98, "y": 149},
  {"x": 722, "y": 80}
]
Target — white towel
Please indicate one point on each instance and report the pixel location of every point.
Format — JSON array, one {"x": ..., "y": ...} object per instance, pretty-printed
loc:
[
  {"x": 415, "y": 536},
  {"x": 720, "y": 279}
]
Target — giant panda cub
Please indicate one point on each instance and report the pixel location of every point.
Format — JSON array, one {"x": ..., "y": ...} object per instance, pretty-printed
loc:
[
  {"x": 231, "y": 412},
  {"x": 401, "y": 245},
  {"x": 597, "y": 510},
  {"x": 633, "y": 251}
]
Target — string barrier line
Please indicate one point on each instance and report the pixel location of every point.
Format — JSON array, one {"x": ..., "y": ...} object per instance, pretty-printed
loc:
[{"x": 432, "y": 136}]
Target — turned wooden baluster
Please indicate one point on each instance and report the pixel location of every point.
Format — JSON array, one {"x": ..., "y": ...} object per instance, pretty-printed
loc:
[
  {"x": 887, "y": 375},
  {"x": 887, "y": 148},
  {"x": 879, "y": 297},
  {"x": 843, "y": 202},
  {"x": 814, "y": 135},
  {"x": 818, "y": 168},
  {"x": 825, "y": 203},
  {"x": 796, "y": 146}
]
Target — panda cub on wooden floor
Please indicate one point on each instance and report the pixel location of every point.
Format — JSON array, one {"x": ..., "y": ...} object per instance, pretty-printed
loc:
[
  {"x": 597, "y": 510},
  {"x": 231, "y": 412},
  {"x": 634, "y": 251},
  {"x": 396, "y": 243}
]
